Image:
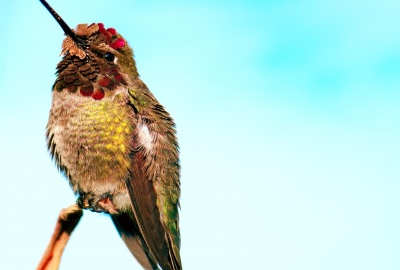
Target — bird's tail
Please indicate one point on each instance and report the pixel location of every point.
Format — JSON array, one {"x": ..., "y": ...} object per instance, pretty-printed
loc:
[{"x": 129, "y": 232}]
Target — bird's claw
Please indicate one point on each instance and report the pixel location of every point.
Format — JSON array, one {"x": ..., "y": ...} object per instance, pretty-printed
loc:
[{"x": 102, "y": 203}]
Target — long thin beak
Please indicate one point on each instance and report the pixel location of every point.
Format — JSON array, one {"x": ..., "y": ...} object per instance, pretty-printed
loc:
[{"x": 63, "y": 24}]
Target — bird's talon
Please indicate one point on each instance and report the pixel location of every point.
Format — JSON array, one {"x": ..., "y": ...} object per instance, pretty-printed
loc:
[{"x": 102, "y": 203}]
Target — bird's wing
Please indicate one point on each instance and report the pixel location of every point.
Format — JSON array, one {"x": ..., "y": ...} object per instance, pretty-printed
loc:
[{"x": 153, "y": 184}]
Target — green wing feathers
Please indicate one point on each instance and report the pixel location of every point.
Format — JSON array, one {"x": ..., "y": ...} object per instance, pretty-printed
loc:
[{"x": 154, "y": 185}]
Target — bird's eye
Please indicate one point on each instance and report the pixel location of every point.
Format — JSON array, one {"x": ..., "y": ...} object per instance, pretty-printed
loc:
[{"x": 109, "y": 57}]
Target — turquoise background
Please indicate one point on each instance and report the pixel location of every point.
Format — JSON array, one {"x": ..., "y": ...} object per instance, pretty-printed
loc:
[{"x": 288, "y": 121}]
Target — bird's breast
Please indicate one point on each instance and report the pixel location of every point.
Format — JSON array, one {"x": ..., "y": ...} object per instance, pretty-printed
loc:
[{"x": 93, "y": 139}]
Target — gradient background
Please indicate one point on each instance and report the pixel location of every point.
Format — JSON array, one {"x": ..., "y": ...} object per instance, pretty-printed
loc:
[{"x": 288, "y": 120}]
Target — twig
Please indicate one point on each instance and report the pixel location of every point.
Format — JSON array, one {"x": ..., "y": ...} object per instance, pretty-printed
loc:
[{"x": 66, "y": 223}]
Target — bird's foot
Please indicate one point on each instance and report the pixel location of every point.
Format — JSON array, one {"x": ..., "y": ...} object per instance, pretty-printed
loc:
[{"x": 102, "y": 203}]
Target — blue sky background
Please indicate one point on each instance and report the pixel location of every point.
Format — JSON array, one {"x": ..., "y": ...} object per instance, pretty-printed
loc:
[{"x": 288, "y": 120}]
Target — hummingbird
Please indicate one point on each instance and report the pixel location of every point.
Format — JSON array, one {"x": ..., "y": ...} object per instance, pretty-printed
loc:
[{"x": 115, "y": 143}]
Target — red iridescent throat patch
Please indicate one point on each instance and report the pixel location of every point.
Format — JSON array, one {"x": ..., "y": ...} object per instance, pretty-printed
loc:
[{"x": 110, "y": 80}]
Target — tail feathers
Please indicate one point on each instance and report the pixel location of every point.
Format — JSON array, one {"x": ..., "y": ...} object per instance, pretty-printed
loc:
[
  {"x": 175, "y": 261},
  {"x": 129, "y": 232}
]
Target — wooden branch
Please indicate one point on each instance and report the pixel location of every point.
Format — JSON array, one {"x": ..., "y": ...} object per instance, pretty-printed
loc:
[{"x": 66, "y": 223}]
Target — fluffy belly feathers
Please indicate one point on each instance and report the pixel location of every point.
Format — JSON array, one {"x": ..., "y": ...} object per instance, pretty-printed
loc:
[{"x": 93, "y": 140}]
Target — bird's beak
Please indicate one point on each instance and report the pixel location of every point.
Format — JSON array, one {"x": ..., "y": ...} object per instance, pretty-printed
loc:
[{"x": 67, "y": 30}]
